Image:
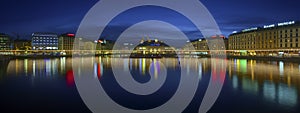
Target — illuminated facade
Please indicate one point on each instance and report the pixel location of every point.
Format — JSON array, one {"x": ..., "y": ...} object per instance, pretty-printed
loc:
[
  {"x": 154, "y": 47},
  {"x": 202, "y": 44},
  {"x": 44, "y": 41},
  {"x": 66, "y": 41},
  {"x": 5, "y": 42},
  {"x": 275, "y": 37}
]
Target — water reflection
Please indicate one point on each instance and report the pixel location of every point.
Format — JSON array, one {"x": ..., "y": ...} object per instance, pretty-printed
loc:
[
  {"x": 42, "y": 68},
  {"x": 276, "y": 82}
]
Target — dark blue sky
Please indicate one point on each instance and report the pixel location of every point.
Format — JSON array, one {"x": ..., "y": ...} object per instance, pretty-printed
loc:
[{"x": 27, "y": 16}]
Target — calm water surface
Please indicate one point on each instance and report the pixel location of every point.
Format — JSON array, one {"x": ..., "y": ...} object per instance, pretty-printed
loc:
[{"x": 251, "y": 86}]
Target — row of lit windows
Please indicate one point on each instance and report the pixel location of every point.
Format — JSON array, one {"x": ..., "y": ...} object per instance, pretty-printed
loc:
[
  {"x": 266, "y": 46},
  {"x": 44, "y": 43},
  {"x": 44, "y": 38},
  {"x": 281, "y": 33},
  {"x": 280, "y": 40},
  {"x": 261, "y": 38}
]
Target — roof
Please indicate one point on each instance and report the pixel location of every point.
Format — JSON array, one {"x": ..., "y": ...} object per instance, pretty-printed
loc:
[
  {"x": 153, "y": 43},
  {"x": 268, "y": 27}
]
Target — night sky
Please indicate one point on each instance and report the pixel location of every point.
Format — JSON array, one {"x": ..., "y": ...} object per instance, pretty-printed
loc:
[{"x": 24, "y": 17}]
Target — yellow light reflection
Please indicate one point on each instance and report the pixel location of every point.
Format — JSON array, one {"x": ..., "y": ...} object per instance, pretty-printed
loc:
[
  {"x": 200, "y": 71},
  {"x": 25, "y": 66},
  {"x": 289, "y": 81},
  {"x": 143, "y": 66},
  {"x": 281, "y": 68},
  {"x": 17, "y": 66},
  {"x": 155, "y": 64},
  {"x": 33, "y": 68}
]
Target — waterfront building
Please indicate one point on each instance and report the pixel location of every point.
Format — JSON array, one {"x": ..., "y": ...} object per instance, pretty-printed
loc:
[
  {"x": 153, "y": 48},
  {"x": 44, "y": 41},
  {"x": 103, "y": 44},
  {"x": 5, "y": 42},
  {"x": 202, "y": 47},
  {"x": 22, "y": 44},
  {"x": 271, "y": 40},
  {"x": 66, "y": 41}
]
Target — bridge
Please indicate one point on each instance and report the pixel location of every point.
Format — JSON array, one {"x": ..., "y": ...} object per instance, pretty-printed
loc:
[{"x": 268, "y": 52}]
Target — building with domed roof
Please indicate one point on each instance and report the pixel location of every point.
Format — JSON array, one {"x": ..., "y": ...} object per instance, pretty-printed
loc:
[{"x": 153, "y": 48}]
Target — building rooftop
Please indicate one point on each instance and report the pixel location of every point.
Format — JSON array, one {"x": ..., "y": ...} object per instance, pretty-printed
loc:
[
  {"x": 203, "y": 39},
  {"x": 152, "y": 43},
  {"x": 268, "y": 27},
  {"x": 43, "y": 34}
]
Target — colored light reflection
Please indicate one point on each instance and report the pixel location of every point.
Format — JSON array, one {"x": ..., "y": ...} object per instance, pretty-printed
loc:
[
  {"x": 269, "y": 91},
  {"x": 287, "y": 95},
  {"x": 70, "y": 78},
  {"x": 62, "y": 64},
  {"x": 26, "y": 66},
  {"x": 125, "y": 65},
  {"x": 243, "y": 64},
  {"x": 48, "y": 67},
  {"x": 95, "y": 70},
  {"x": 130, "y": 64},
  {"x": 98, "y": 70},
  {"x": 140, "y": 65},
  {"x": 156, "y": 68},
  {"x": 200, "y": 70},
  {"x": 281, "y": 68},
  {"x": 249, "y": 86},
  {"x": 188, "y": 67},
  {"x": 221, "y": 65},
  {"x": 33, "y": 68},
  {"x": 235, "y": 82}
]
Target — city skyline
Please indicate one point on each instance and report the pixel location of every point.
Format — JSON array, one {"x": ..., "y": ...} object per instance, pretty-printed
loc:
[
  {"x": 160, "y": 56},
  {"x": 65, "y": 16}
]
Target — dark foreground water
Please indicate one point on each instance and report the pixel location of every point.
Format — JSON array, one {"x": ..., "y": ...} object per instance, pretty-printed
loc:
[{"x": 250, "y": 86}]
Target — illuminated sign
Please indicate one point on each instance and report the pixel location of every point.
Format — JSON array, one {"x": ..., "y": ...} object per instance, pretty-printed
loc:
[
  {"x": 286, "y": 23},
  {"x": 71, "y": 35},
  {"x": 250, "y": 29},
  {"x": 269, "y": 26},
  {"x": 219, "y": 36}
]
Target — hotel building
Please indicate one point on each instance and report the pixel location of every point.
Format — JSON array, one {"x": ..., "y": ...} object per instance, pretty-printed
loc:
[
  {"x": 271, "y": 40},
  {"x": 44, "y": 41}
]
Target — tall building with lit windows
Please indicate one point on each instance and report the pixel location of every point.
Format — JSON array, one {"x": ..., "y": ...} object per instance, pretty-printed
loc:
[
  {"x": 5, "y": 42},
  {"x": 202, "y": 43},
  {"x": 270, "y": 40},
  {"x": 66, "y": 41},
  {"x": 44, "y": 41}
]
